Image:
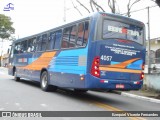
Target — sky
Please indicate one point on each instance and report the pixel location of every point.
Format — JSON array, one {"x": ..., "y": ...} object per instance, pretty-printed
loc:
[{"x": 34, "y": 16}]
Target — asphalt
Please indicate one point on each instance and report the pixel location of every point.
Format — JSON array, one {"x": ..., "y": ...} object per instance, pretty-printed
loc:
[{"x": 144, "y": 94}]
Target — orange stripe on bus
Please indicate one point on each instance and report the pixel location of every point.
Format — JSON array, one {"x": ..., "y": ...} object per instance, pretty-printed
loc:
[
  {"x": 42, "y": 62},
  {"x": 123, "y": 64},
  {"x": 119, "y": 70}
]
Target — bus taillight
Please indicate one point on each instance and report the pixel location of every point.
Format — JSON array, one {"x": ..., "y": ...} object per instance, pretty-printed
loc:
[
  {"x": 95, "y": 67},
  {"x": 104, "y": 14},
  {"x": 143, "y": 66},
  {"x": 141, "y": 75}
]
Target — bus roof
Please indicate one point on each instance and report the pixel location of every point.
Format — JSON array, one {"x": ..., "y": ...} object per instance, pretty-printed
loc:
[{"x": 92, "y": 15}]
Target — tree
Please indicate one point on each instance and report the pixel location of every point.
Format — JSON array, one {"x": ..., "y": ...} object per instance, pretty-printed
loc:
[
  {"x": 129, "y": 6},
  {"x": 114, "y": 8},
  {"x": 157, "y": 2},
  {"x": 6, "y": 28},
  {"x": 92, "y": 3},
  {"x": 83, "y": 6},
  {"x": 113, "y": 5}
]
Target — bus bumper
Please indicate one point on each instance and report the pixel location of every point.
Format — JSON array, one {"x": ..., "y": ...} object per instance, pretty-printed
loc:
[{"x": 110, "y": 84}]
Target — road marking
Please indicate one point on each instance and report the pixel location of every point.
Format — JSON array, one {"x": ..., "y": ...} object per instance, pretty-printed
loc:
[
  {"x": 43, "y": 105},
  {"x": 108, "y": 107},
  {"x": 105, "y": 106}
]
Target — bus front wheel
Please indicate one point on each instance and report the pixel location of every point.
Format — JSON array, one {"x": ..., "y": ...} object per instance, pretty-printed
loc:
[{"x": 15, "y": 76}]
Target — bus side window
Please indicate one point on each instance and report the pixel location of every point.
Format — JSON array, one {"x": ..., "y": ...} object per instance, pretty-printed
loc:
[
  {"x": 12, "y": 52},
  {"x": 39, "y": 41},
  {"x": 17, "y": 48},
  {"x": 31, "y": 45},
  {"x": 80, "y": 34},
  {"x": 86, "y": 32},
  {"x": 73, "y": 36},
  {"x": 51, "y": 41},
  {"x": 34, "y": 45},
  {"x": 58, "y": 39},
  {"x": 65, "y": 40},
  {"x": 24, "y": 46},
  {"x": 44, "y": 42}
]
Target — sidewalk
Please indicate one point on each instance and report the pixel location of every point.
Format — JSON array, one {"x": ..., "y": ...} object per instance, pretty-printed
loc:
[{"x": 147, "y": 95}]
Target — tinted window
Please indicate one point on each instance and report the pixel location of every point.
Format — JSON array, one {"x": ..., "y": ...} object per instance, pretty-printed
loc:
[
  {"x": 80, "y": 34},
  {"x": 31, "y": 45},
  {"x": 73, "y": 36},
  {"x": 83, "y": 31},
  {"x": 44, "y": 42},
  {"x": 69, "y": 37},
  {"x": 51, "y": 41},
  {"x": 54, "y": 40},
  {"x": 58, "y": 39},
  {"x": 115, "y": 29},
  {"x": 24, "y": 46},
  {"x": 86, "y": 32},
  {"x": 66, "y": 35},
  {"x": 38, "y": 45},
  {"x": 17, "y": 48}
]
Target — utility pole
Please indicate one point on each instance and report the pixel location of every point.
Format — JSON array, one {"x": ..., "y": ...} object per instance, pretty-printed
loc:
[
  {"x": 149, "y": 62},
  {"x": 64, "y": 19}
]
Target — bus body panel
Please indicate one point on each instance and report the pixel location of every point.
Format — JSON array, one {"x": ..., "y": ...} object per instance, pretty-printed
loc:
[
  {"x": 110, "y": 84},
  {"x": 113, "y": 69},
  {"x": 67, "y": 68}
]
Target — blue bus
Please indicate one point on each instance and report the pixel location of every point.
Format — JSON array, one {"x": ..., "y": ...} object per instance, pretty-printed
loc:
[{"x": 100, "y": 52}]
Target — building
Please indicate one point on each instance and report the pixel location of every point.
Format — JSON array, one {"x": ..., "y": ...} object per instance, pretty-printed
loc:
[
  {"x": 154, "y": 56},
  {"x": 5, "y": 60}
]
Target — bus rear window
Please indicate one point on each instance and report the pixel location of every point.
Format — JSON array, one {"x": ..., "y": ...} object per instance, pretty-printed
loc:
[{"x": 115, "y": 29}]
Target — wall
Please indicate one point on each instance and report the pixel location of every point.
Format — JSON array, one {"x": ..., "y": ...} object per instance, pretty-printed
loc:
[{"x": 152, "y": 81}]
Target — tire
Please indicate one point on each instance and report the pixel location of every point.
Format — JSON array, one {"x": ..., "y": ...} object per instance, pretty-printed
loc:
[
  {"x": 45, "y": 83},
  {"x": 17, "y": 79}
]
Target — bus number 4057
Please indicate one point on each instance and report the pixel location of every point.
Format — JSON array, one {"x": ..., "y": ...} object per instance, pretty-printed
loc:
[{"x": 106, "y": 58}]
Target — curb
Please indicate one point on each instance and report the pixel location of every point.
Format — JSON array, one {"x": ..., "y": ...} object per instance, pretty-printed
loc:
[
  {"x": 137, "y": 96},
  {"x": 140, "y": 97}
]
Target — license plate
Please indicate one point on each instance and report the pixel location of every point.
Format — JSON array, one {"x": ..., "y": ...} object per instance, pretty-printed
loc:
[{"x": 119, "y": 86}]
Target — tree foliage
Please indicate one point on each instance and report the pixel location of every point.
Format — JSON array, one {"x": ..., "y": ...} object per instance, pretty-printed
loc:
[{"x": 6, "y": 28}]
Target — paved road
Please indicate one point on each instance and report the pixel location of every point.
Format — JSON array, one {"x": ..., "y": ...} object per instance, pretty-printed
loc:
[{"x": 27, "y": 96}]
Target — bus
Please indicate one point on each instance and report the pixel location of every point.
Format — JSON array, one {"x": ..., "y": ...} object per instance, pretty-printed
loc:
[{"x": 100, "y": 52}]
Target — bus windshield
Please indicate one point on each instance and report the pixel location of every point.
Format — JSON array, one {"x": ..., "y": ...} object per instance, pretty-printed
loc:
[{"x": 120, "y": 30}]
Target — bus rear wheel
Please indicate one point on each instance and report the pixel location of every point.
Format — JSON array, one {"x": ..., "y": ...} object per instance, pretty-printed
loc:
[{"x": 45, "y": 82}]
